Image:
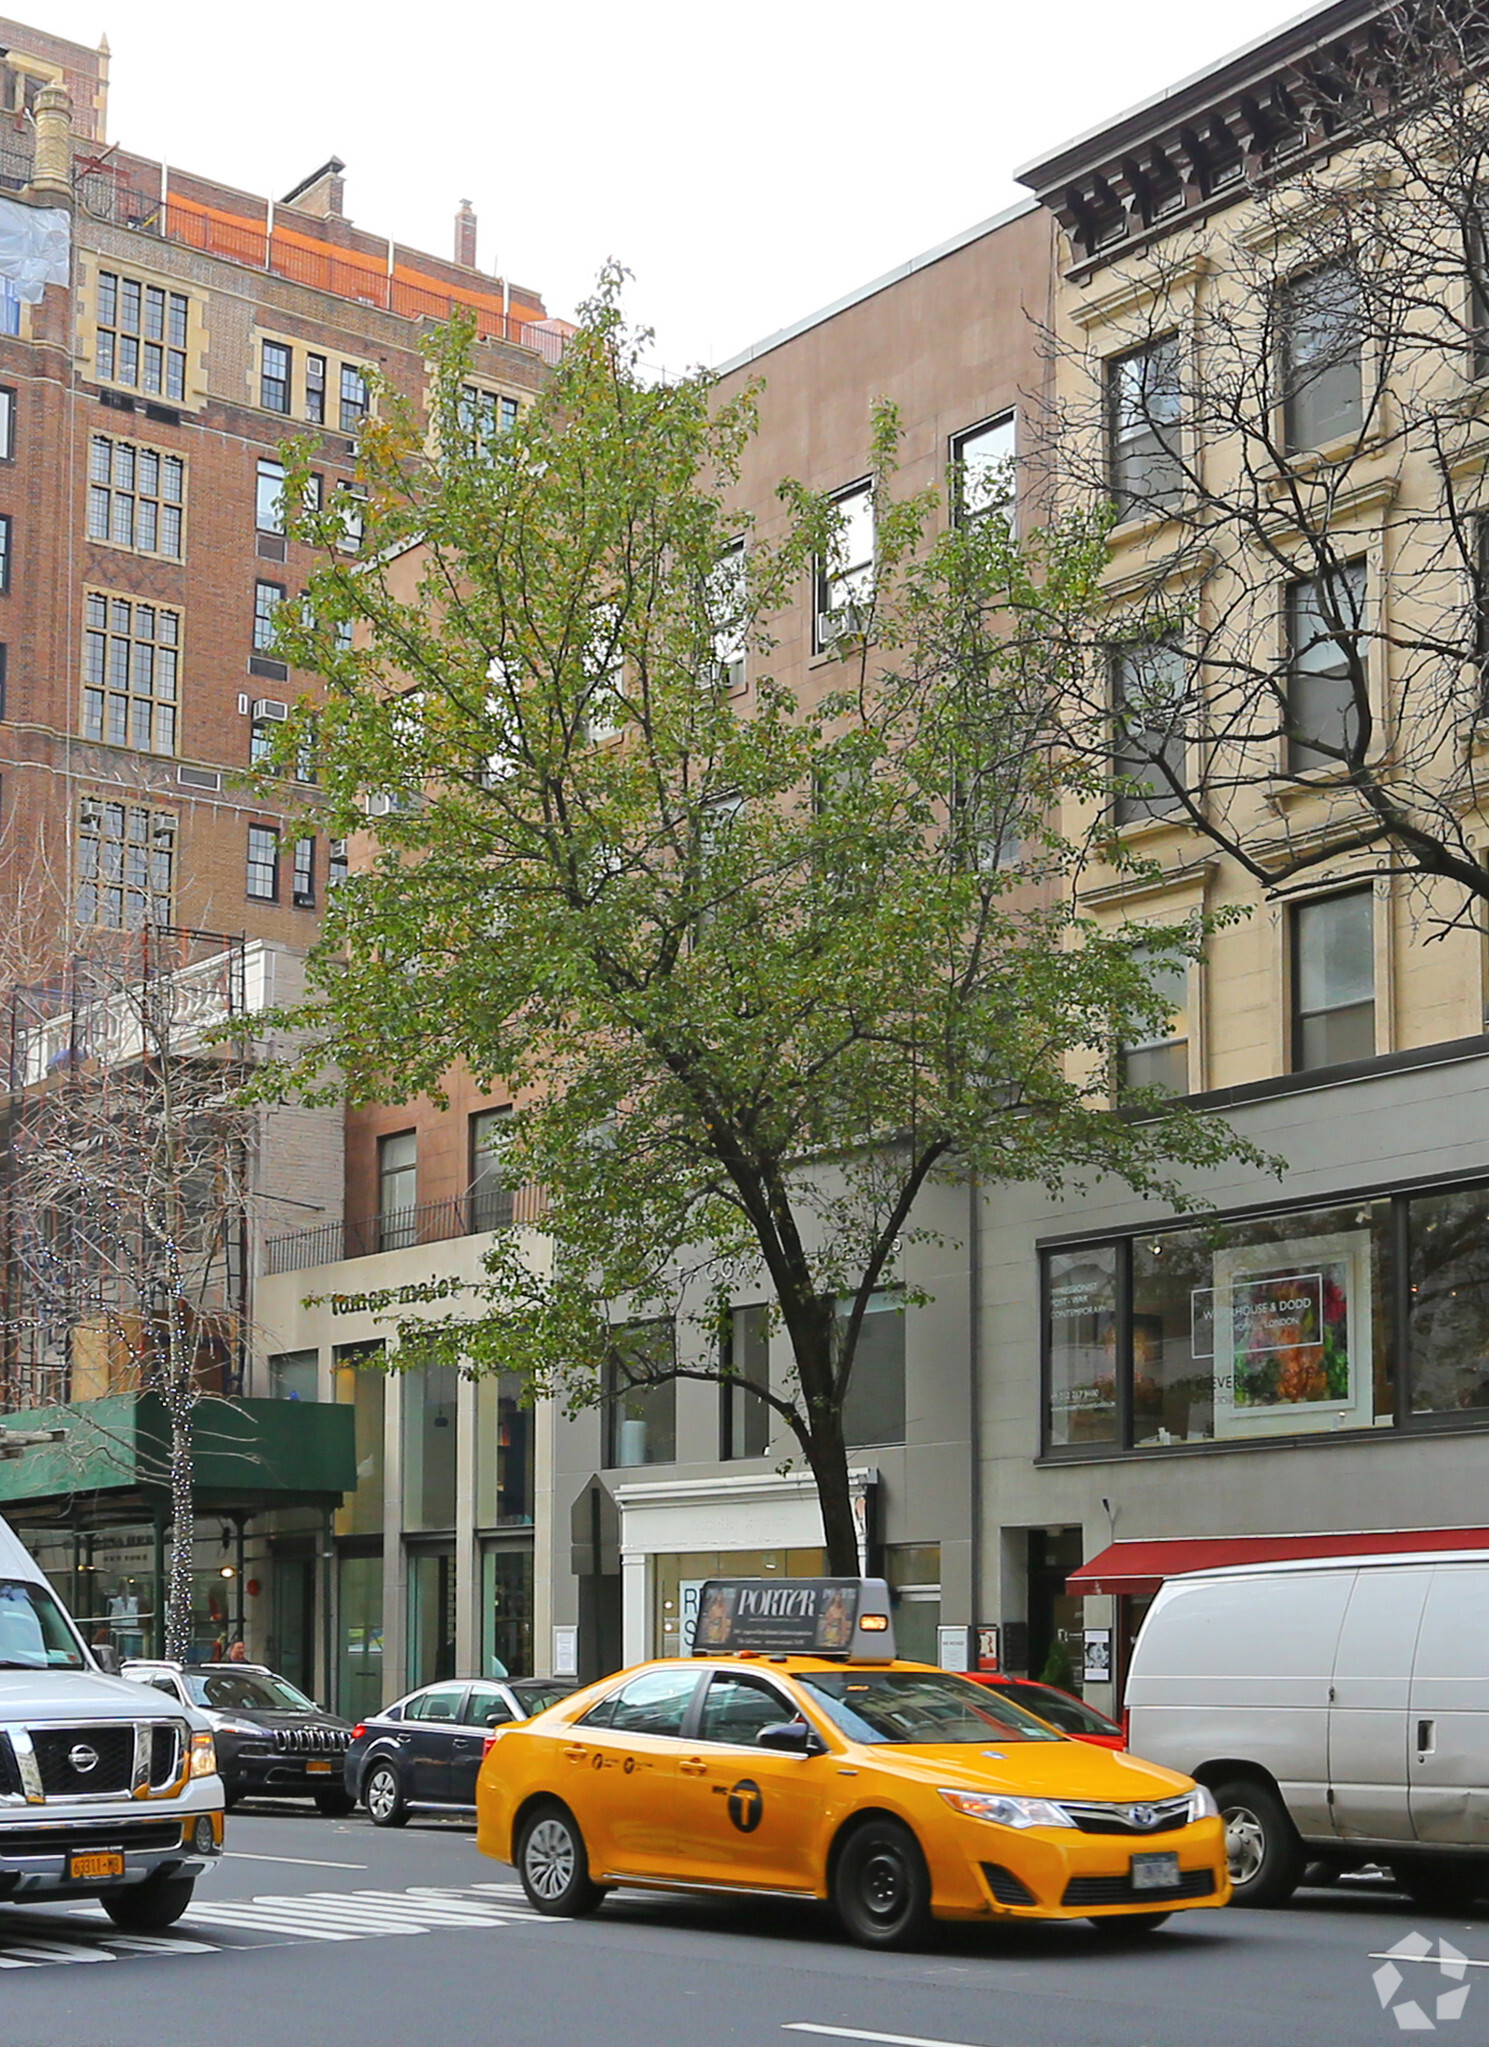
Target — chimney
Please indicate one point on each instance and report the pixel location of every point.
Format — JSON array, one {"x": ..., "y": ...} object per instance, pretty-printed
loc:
[
  {"x": 323, "y": 193},
  {"x": 465, "y": 236},
  {"x": 51, "y": 176}
]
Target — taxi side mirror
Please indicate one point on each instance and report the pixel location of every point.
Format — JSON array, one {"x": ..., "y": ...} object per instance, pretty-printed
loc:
[{"x": 792, "y": 1737}]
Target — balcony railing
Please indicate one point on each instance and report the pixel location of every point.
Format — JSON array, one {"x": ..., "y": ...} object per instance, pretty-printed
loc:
[{"x": 402, "y": 1229}]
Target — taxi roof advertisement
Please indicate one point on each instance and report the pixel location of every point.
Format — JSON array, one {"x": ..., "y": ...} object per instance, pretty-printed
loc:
[{"x": 779, "y": 1616}]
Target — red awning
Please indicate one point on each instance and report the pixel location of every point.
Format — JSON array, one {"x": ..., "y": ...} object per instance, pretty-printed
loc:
[{"x": 1143, "y": 1566}]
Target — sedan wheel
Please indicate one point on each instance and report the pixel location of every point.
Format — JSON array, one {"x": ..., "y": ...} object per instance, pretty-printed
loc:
[
  {"x": 554, "y": 1867},
  {"x": 382, "y": 1795}
]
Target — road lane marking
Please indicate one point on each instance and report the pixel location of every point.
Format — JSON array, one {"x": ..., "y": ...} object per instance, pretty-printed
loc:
[
  {"x": 1394, "y": 1955},
  {"x": 883, "y": 2039},
  {"x": 299, "y": 1861}
]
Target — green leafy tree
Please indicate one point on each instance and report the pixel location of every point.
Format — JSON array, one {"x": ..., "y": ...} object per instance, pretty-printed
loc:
[{"x": 756, "y": 970}]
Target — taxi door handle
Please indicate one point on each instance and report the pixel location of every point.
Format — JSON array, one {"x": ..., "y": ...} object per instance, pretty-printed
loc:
[
  {"x": 693, "y": 1766},
  {"x": 575, "y": 1754}
]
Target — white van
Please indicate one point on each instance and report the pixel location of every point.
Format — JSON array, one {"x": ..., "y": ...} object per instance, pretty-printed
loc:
[{"x": 1339, "y": 1711}]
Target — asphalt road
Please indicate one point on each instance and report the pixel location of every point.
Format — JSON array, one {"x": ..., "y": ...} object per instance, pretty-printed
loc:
[{"x": 335, "y": 1934}]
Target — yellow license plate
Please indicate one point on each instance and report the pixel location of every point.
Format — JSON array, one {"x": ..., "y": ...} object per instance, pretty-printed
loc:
[
  {"x": 84, "y": 1868},
  {"x": 319, "y": 1769}
]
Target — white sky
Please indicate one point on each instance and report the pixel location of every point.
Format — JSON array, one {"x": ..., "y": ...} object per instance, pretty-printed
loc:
[{"x": 748, "y": 163}]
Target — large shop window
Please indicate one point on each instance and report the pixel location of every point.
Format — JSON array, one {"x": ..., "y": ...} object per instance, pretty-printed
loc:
[
  {"x": 640, "y": 1415},
  {"x": 504, "y": 1454},
  {"x": 1299, "y": 1323},
  {"x": 430, "y": 1434},
  {"x": 874, "y": 1405}
]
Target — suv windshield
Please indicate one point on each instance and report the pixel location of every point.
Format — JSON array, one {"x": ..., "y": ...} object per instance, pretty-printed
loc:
[
  {"x": 245, "y": 1691},
  {"x": 929, "y": 1706},
  {"x": 33, "y": 1633}
]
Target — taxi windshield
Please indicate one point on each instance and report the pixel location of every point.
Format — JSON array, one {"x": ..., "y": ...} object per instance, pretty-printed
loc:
[{"x": 930, "y": 1706}]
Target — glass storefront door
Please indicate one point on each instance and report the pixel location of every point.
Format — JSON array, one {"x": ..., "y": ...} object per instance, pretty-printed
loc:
[
  {"x": 359, "y": 1637},
  {"x": 431, "y": 1614},
  {"x": 506, "y": 1610}
]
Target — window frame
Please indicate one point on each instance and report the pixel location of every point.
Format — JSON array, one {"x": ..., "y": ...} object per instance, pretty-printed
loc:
[
  {"x": 115, "y": 491},
  {"x": 162, "y": 701},
  {"x": 614, "y": 1397},
  {"x": 354, "y": 407},
  {"x": 316, "y": 386},
  {"x": 1290, "y": 384},
  {"x": 1149, "y": 502},
  {"x": 961, "y": 513},
  {"x": 852, "y": 582},
  {"x": 1161, "y": 805},
  {"x": 1297, "y": 1017},
  {"x": 255, "y": 861},
  {"x": 265, "y": 615},
  {"x": 116, "y": 341},
  {"x": 1295, "y": 750},
  {"x": 736, "y": 1400},
  {"x": 279, "y": 378},
  {"x": 157, "y": 821},
  {"x": 302, "y": 872},
  {"x": 7, "y": 553},
  {"x": 268, "y": 517},
  {"x": 9, "y": 410}
]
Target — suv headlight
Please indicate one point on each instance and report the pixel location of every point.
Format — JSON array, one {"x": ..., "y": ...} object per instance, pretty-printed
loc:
[
  {"x": 203, "y": 1756},
  {"x": 1202, "y": 1804},
  {"x": 1008, "y": 1812}
]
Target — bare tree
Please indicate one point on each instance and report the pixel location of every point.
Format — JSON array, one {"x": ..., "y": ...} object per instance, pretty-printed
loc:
[{"x": 1288, "y": 410}]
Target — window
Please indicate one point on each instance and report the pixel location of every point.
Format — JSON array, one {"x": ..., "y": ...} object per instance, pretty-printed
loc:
[
  {"x": 7, "y": 552},
  {"x": 398, "y": 1189},
  {"x": 727, "y": 598},
  {"x": 295, "y": 1375},
  {"x": 274, "y": 377},
  {"x": 142, "y": 332},
  {"x": 349, "y": 504},
  {"x": 1143, "y": 406},
  {"x": 354, "y": 397},
  {"x": 486, "y": 1707},
  {"x": 484, "y": 414},
  {"x": 1333, "y": 979},
  {"x": 1449, "y": 1297},
  {"x": 874, "y": 1406},
  {"x": 443, "y": 1704},
  {"x": 1161, "y": 1061},
  {"x": 315, "y": 389},
  {"x": 303, "y": 885},
  {"x": 1326, "y": 652},
  {"x": 983, "y": 461},
  {"x": 126, "y": 859},
  {"x": 269, "y": 498},
  {"x": 735, "y": 1709},
  {"x": 7, "y": 423},
  {"x": 640, "y": 1414},
  {"x": 845, "y": 575},
  {"x": 10, "y": 307},
  {"x": 131, "y": 672},
  {"x": 263, "y": 863},
  {"x": 1150, "y": 683},
  {"x": 744, "y": 1417},
  {"x": 657, "y": 1702},
  {"x": 490, "y": 1197},
  {"x": 135, "y": 496},
  {"x": 4, "y": 666},
  {"x": 336, "y": 864},
  {"x": 267, "y": 598},
  {"x": 1322, "y": 393}
]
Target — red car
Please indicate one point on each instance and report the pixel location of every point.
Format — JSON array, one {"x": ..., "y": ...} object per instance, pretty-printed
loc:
[{"x": 1061, "y": 1709}]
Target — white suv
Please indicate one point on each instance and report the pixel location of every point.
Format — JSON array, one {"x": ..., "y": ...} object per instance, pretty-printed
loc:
[{"x": 102, "y": 1794}]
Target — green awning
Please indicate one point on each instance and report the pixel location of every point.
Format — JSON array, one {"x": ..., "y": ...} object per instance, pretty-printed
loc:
[{"x": 113, "y": 1463}]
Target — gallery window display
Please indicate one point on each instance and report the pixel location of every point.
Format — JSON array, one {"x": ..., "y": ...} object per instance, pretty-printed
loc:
[{"x": 1301, "y": 1322}]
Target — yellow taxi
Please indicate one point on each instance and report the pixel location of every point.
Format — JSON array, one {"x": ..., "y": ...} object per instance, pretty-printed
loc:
[{"x": 793, "y": 1756}]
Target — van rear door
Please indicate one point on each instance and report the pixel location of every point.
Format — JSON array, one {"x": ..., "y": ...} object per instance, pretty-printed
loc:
[
  {"x": 1368, "y": 1704},
  {"x": 1448, "y": 1731}
]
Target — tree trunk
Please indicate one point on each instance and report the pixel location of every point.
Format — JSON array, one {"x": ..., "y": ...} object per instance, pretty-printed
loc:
[
  {"x": 183, "y": 1538},
  {"x": 828, "y": 1456}
]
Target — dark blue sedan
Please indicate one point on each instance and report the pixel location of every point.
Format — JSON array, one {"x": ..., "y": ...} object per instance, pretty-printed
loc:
[{"x": 425, "y": 1751}]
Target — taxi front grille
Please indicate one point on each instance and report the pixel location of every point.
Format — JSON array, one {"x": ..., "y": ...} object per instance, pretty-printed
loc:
[
  {"x": 1007, "y": 1888},
  {"x": 1160, "y": 1817},
  {"x": 310, "y": 1741},
  {"x": 1118, "y": 1890}
]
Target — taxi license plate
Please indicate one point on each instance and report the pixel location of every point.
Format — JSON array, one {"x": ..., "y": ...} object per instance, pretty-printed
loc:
[
  {"x": 1155, "y": 1872},
  {"x": 84, "y": 1868},
  {"x": 318, "y": 1769}
]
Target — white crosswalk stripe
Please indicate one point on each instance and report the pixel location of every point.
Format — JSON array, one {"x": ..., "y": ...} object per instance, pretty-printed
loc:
[{"x": 213, "y": 1924}]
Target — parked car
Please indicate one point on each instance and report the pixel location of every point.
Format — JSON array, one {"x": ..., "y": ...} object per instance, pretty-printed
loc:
[
  {"x": 1339, "y": 1711},
  {"x": 108, "y": 1794},
  {"x": 1060, "y": 1708},
  {"x": 272, "y": 1742},
  {"x": 426, "y": 1749}
]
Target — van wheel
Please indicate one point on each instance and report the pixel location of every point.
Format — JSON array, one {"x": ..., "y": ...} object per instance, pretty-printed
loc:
[
  {"x": 1266, "y": 1857},
  {"x": 881, "y": 1886},
  {"x": 1441, "y": 1883}
]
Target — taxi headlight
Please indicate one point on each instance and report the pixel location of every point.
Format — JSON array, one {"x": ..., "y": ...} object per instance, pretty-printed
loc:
[
  {"x": 203, "y": 1756},
  {"x": 1202, "y": 1804},
  {"x": 1008, "y": 1812}
]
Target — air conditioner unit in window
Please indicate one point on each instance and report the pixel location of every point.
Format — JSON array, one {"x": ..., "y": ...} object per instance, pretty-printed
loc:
[
  {"x": 270, "y": 710},
  {"x": 724, "y": 675},
  {"x": 380, "y": 803},
  {"x": 840, "y": 623}
]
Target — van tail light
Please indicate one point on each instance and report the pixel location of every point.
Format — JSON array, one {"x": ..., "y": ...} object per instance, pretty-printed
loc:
[{"x": 359, "y": 1730}]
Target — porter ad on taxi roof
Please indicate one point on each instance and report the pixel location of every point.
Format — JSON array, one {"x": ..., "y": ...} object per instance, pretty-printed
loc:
[{"x": 838, "y": 1617}]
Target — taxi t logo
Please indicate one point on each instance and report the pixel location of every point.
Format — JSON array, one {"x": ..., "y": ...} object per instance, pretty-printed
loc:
[{"x": 746, "y": 1805}]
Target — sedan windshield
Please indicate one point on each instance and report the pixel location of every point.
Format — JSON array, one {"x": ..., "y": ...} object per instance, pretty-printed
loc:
[
  {"x": 929, "y": 1706},
  {"x": 33, "y": 1633},
  {"x": 243, "y": 1691}
]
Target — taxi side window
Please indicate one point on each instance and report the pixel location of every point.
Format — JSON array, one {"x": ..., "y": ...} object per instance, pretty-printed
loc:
[
  {"x": 736, "y": 1708},
  {"x": 654, "y": 1703},
  {"x": 486, "y": 1708}
]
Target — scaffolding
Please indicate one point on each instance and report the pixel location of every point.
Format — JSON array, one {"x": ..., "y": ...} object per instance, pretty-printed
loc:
[{"x": 124, "y": 1155}]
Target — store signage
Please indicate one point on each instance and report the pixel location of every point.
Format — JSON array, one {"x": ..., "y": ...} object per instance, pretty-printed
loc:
[
  {"x": 847, "y": 1617},
  {"x": 373, "y": 1303}
]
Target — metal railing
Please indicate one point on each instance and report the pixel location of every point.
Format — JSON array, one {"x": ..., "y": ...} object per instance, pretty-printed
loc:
[{"x": 402, "y": 1229}]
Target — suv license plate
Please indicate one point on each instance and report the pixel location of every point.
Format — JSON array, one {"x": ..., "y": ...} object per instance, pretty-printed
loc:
[
  {"x": 84, "y": 1868},
  {"x": 1155, "y": 1872},
  {"x": 318, "y": 1769}
]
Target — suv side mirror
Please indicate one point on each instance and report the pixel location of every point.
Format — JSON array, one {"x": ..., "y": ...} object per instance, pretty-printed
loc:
[
  {"x": 106, "y": 1656},
  {"x": 792, "y": 1737}
]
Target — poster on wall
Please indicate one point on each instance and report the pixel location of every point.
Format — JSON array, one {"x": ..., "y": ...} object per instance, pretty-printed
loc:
[
  {"x": 1097, "y": 1667},
  {"x": 1289, "y": 1328}
]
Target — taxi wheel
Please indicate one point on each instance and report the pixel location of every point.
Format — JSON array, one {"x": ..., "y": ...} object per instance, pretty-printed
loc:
[
  {"x": 1262, "y": 1848},
  {"x": 881, "y": 1887},
  {"x": 382, "y": 1795},
  {"x": 152, "y": 1906},
  {"x": 554, "y": 1867}
]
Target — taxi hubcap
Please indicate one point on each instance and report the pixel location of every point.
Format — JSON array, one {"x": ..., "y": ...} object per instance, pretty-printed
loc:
[
  {"x": 382, "y": 1794},
  {"x": 883, "y": 1884},
  {"x": 549, "y": 1858},
  {"x": 1245, "y": 1843}
]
